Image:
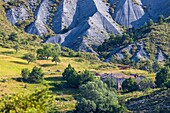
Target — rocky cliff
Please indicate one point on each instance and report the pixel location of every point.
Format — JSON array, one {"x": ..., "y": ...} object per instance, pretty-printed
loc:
[{"x": 83, "y": 24}]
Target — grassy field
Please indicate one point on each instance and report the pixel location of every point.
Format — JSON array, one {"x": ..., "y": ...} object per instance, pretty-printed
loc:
[{"x": 11, "y": 64}]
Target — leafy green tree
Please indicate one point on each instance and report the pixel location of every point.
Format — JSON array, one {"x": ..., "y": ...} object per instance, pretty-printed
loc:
[
  {"x": 13, "y": 36},
  {"x": 49, "y": 50},
  {"x": 162, "y": 77},
  {"x": 56, "y": 59},
  {"x": 16, "y": 47},
  {"x": 73, "y": 80},
  {"x": 71, "y": 76},
  {"x": 146, "y": 83},
  {"x": 39, "y": 102},
  {"x": 149, "y": 66},
  {"x": 68, "y": 71},
  {"x": 156, "y": 66},
  {"x": 150, "y": 22},
  {"x": 130, "y": 85},
  {"x": 30, "y": 57},
  {"x": 126, "y": 59},
  {"x": 86, "y": 76},
  {"x": 25, "y": 73},
  {"x": 161, "y": 19},
  {"x": 86, "y": 106},
  {"x": 167, "y": 84},
  {"x": 110, "y": 82},
  {"x": 36, "y": 75},
  {"x": 40, "y": 54},
  {"x": 95, "y": 97}
]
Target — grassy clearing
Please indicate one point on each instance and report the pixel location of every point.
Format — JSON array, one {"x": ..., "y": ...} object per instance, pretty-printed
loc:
[{"x": 11, "y": 64}]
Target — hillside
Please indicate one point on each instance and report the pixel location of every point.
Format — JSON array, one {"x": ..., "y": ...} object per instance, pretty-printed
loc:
[
  {"x": 146, "y": 43},
  {"x": 82, "y": 25},
  {"x": 157, "y": 101},
  {"x": 11, "y": 64},
  {"x": 90, "y": 56}
]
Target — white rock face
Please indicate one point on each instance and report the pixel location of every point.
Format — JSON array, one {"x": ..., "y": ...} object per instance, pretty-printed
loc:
[
  {"x": 17, "y": 14},
  {"x": 127, "y": 12},
  {"x": 160, "y": 56},
  {"x": 42, "y": 14},
  {"x": 64, "y": 16},
  {"x": 88, "y": 22},
  {"x": 140, "y": 53},
  {"x": 81, "y": 24}
]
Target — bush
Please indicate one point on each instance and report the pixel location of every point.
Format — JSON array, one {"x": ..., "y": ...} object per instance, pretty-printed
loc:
[
  {"x": 75, "y": 79},
  {"x": 146, "y": 83},
  {"x": 13, "y": 36},
  {"x": 95, "y": 97},
  {"x": 29, "y": 57},
  {"x": 130, "y": 85},
  {"x": 35, "y": 76},
  {"x": 25, "y": 74},
  {"x": 162, "y": 77},
  {"x": 38, "y": 102}
]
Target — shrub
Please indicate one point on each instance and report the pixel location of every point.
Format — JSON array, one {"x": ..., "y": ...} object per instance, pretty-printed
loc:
[
  {"x": 95, "y": 97},
  {"x": 162, "y": 77},
  {"x": 35, "y": 76},
  {"x": 38, "y": 102},
  {"x": 130, "y": 85},
  {"x": 25, "y": 74},
  {"x": 29, "y": 57}
]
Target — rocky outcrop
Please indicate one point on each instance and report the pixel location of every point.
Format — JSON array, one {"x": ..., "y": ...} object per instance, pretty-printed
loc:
[
  {"x": 135, "y": 50},
  {"x": 89, "y": 25},
  {"x": 160, "y": 56},
  {"x": 17, "y": 14},
  {"x": 126, "y": 12},
  {"x": 42, "y": 13},
  {"x": 82, "y": 25}
]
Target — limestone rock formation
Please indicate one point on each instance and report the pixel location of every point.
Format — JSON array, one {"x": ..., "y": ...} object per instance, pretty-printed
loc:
[{"x": 84, "y": 24}]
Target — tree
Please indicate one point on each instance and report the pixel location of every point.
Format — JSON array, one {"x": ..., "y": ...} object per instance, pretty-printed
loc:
[
  {"x": 73, "y": 80},
  {"x": 49, "y": 50},
  {"x": 110, "y": 82},
  {"x": 146, "y": 83},
  {"x": 71, "y": 76},
  {"x": 150, "y": 22},
  {"x": 95, "y": 97},
  {"x": 162, "y": 77},
  {"x": 86, "y": 76},
  {"x": 25, "y": 73},
  {"x": 39, "y": 102},
  {"x": 68, "y": 71},
  {"x": 56, "y": 59},
  {"x": 40, "y": 54},
  {"x": 13, "y": 36},
  {"x": 130, "y": 85},
  {"x": 161, "y": 19},
  {"x": 36, "y": 75},
  {"x": 30, "y": 57},
  {"x": 16, "y": 47},
  {"x": 149, "y": 66}
]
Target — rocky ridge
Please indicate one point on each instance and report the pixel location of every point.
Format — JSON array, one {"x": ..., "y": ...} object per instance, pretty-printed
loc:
[{"x": 83, "y": 25}]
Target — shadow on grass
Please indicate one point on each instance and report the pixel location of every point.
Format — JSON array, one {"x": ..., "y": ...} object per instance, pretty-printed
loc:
[
  {"x": 48, "y": 65},
  {"x": 18, "y": 62},
  {"x": 7, "y": 52},
  {"x": 58, "y": 85},
  {"x": 19, "y": 79}
]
